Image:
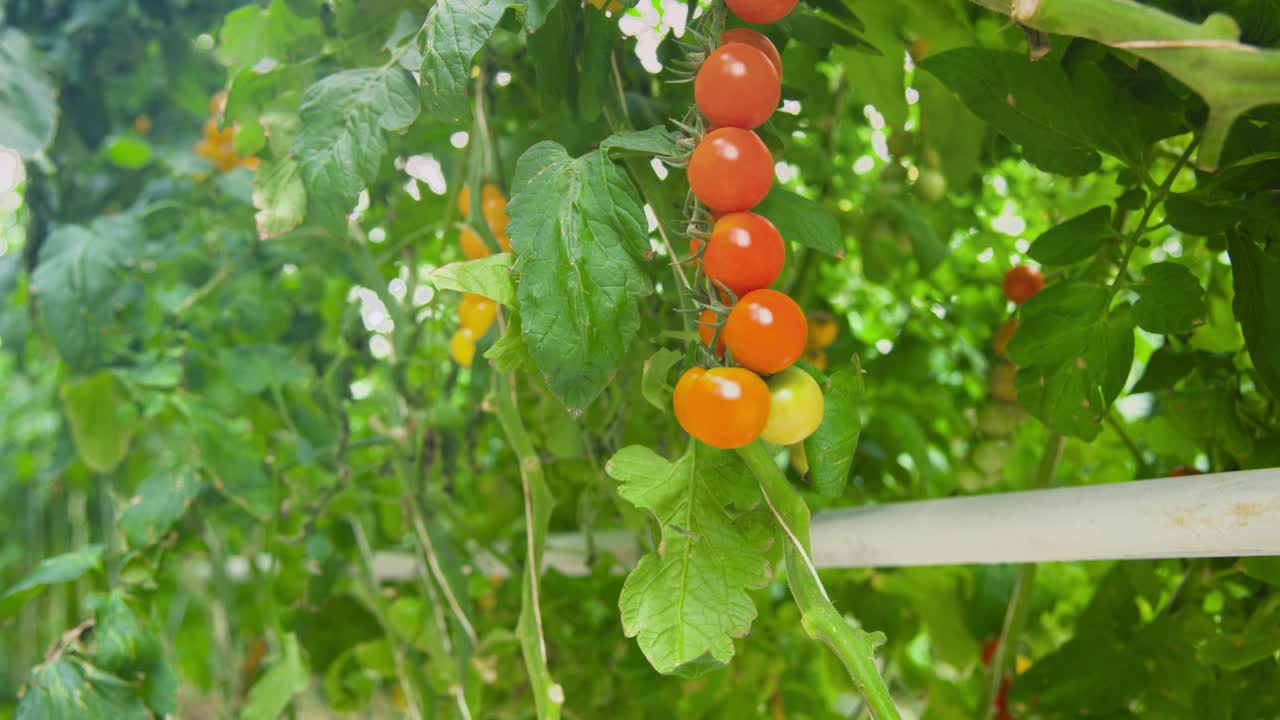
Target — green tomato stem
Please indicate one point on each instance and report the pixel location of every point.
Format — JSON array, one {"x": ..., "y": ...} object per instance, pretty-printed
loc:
[{"x": 854, "y": 646}]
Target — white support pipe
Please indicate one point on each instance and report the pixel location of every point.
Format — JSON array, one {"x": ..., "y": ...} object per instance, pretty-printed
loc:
[{"x": 1221, "y": 515}]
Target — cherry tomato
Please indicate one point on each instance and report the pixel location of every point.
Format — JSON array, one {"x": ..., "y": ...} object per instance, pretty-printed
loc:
[
  {"x": 818, "y": 358},
  {"x": 731, "y": 170},
  {"x": 765, "y": 331},
  {"x": 990, "y": 456},
  {"x": 723, "y": 407},
  {"x": 472, "y": 246},
  {"x": 932, "y": 185},
  {"x": 970, "y": 479},
  {"x": 504, "y": 242},
  {"x": 493, "y": 205},
  {"x": 476, "y": 313},
  {"x": 744, "y": 253},
  {"x": 1000, "y": 340},
  {"x": 706, "y": 330},
  {"x": 795, "y": 407},
  {"x": 1021, "y": 282},
  {"x": 989, "y": 650},
  {"x": 1000, "y": 382},
  {"x": 998, "y": 418},
  {"x": 1183, "y": 471},
  {"x": 737, "y": 86},
  {"x": 822, "y": 330},
  {"x": 761, "y": 12},
  {"x": 759, "y": 41},
  {"x": 462, "y": 347}
]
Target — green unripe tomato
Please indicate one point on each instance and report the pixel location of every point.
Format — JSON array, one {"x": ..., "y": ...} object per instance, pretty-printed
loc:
[
  {"x": 998, "y": 418},
  {"x": 795, "y": 407},
  {"x": 990, "y": 456},
  {"x": 970, "y": 479},
  {"x": 932, "y": 185}
]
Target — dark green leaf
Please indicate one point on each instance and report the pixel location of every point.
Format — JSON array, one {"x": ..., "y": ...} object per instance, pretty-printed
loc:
[
  {"x": 489, "y": 276},
  {"x": 1266, "y": 569},
  {"x": 159, "y": 502},
  {"x": 453, "y": 33},
  {"x": 67, "y": 687},
  {"x": 1199, "y": 213},
  {"x": 28, "y": 106},
  {"x": 802, "y": 220},
  {"x": 51, "y": 571},
  {"x": 1257, "y": 306},
  {"x": 1170, "y": 299},
  {"x": 577, "y": 228},
  {"x": 1164, "y": 369},
  {"x": 340, "y": 141},
  {"x": 687, "y": 602},
  {"x": 656, "y": 140},
  {"x": 232, "y": 457},
  {"x": 1074, "y": 240},
  {"x": 551, "y": 49},
  {"x": 287, "y": 676},
  {"x": 79, "y": 271},
  {"x": 831, "y": 447}
]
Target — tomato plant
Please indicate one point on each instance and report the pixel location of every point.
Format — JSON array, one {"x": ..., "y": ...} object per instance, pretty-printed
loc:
[{"x": 446, "y": 358}]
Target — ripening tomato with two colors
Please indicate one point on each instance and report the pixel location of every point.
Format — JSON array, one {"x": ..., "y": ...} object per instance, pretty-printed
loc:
[
  {"x": 1021, "y": 282},
  {"x": 795, "y": 407},
  {"x": 745, "y": 252},
  {"x": 761, "y": 12},
  {"x": 737, "y": 86},
  {"x": 725, "y": 408},
  {"x": 765, "y": 331},
  {"x": 730, "y": 170}
]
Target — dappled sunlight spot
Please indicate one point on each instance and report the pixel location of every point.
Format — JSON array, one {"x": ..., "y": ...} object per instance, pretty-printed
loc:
[
  {"x": 986, "y": 255},
  {"x": 791, "y": 107},
  {"x": 427, "y": 169},
  {"x": 880, "y": 145},
  {"x": 377, "y": 235},
  {"x": 12, "y": 171},
  {"x": 785, "y": 171},
  {"x": 864, "y": 165},
  {"x": 885, "y": 346},
  {"x": 659, "y": 168},
  {"x": 398, "y": 289},
  {"x": 873, "y": 116},
  {"x": 913, "y": 96},
  {"x": 379, "y": 347},
  {"x": 502, "y": 78},
  {"x": 459, "y": 139}
]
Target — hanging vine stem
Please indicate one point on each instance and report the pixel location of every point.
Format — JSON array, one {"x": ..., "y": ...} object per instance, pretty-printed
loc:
[
  {"x": 548, "y": 694},
  {"x": 855, "y": 647},
  {"x": 1015, "y": 616}
]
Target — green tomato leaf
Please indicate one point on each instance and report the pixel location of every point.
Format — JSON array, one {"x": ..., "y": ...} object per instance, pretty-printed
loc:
[
  {"x": 129, "y": 152},
  {"x": 489, "y": 276},
  {"x": 1201, "y": 213},
  {"x": 687, "y": 602},
  {"x": 231, "y": 454},
  {"x": 802, "y": 220},
  {"x": 510, "y": 354},
  {"x": 1165, "y": 368},
  {"x": 287, "y": 676},
  {"x": 78, "y": 273},
  {"x": 254, "y": 368},
  {"x": 657, "y": 140},
  {"x": 252, "y": 33},
  {"x": 1266, "y": 569},
  {"x": 831, "y": 447},
  {"x": 340, "y": 141},
  {"x": 1074, "y": 357},
  {"x": 578, "y": 229},
  {"x": 1170, "y": 299},
  {"x": 551, "y": 56},
  {"x": 1237, "y": 652},
  {"x": 69, "y": 687},
  {"x": 654, "y": 383},
  {"x": 280, "y": 197},
  {"x": 160, "y": 501},
  {"x": 1074, "y": 240},
  {"x": 102, "y": 417},
  {"x": 51, "y": 571},
  {"x": 453, "y": 33},
  {"x": 1257, "y": 306},
  {"x": 28, "y": 105},
  {"x": 1028, "y": 102},
  {"x": 123, "y": 646}
]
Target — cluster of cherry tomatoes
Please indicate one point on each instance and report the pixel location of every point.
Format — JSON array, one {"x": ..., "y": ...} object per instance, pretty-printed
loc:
[
  {"x": 763, "y": 331},
  {"x": 476, "y": 313},
  {"x": 217, "y": 145},
  {"x": 1000, "y": 416}
]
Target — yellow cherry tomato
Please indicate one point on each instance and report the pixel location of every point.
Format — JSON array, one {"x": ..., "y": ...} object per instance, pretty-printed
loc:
[
  {"x": 795, "y": 407},
  {"x": 822, "y": 330},
  {"x": 476, "y": 313},
  {"x": 1000, "y": 382},
  {"x": 462, "y": 347},
  {"x": 464, "y": 201},
  {"x": 472, "y": 246},
  {"x": 494, "y": 205},
  {"x": 504, "y": 242}
]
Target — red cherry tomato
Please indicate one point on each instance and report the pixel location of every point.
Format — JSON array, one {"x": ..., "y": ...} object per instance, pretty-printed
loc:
[
  {"x": 1183, "y": 471},
  {"x": 756, "y": 40},
  {"x": 744, "y": 253},
  {"x": 1021, "y": 282},
  {"x": 723, "y": 407},
  {"x": 737, "y": 86},
  {"x": 731, "y": 170},
  {"x": 707, "y": 330},
  {"x": 761, "y": 12},
  {"x": 765, "y": 331}
]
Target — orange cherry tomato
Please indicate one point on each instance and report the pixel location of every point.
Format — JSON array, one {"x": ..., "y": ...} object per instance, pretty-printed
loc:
[
  {"x": 818, "y": 358},
  {"x": 731, "y": 170},
  {"x": 1000, "y": 340},
  {"x": 723, "y": 407},
  {"x": 765, "y": 331},
  {"x": 707, "y": 330},
  {"x": 744, "y": 253},
  {"x": 1021, "y": 282},
  {"x": 737, "y": 86},
  {"x": 494, "y": 205},
  {"x": 504, "y": 242},
  {"x": 473, "y": 246},
  {"x": 1000, "y": 382},
  {"x": 822, "y": 331},
  {"x": 759, "y": 41},
  {"x": 761, "y": 12}
]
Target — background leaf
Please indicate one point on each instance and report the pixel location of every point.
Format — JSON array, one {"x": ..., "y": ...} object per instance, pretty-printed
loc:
[
  {"x": 103, "y": 419},
  {"x": 1074, "y": 240},
  {"x": 489, "y": 276},
  {"x": 28, "y": 106},
  {"x": 831, "y": 447},
  {"x": 1170, "y": 299},
  {"x": 453, "y": 33}
]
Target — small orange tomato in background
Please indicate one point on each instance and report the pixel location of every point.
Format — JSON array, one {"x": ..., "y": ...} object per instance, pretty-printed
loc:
[
  {"x": 822, "y": 330},
  {"x": 725, "y": 408},
  {"x": 477, "y": 313},
  {"x": 472, "y": 246},
  {"x": 1004, "y": 333},
  {"x": 765, "y": 331},
  {"x": 1021, "y": 282}
]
